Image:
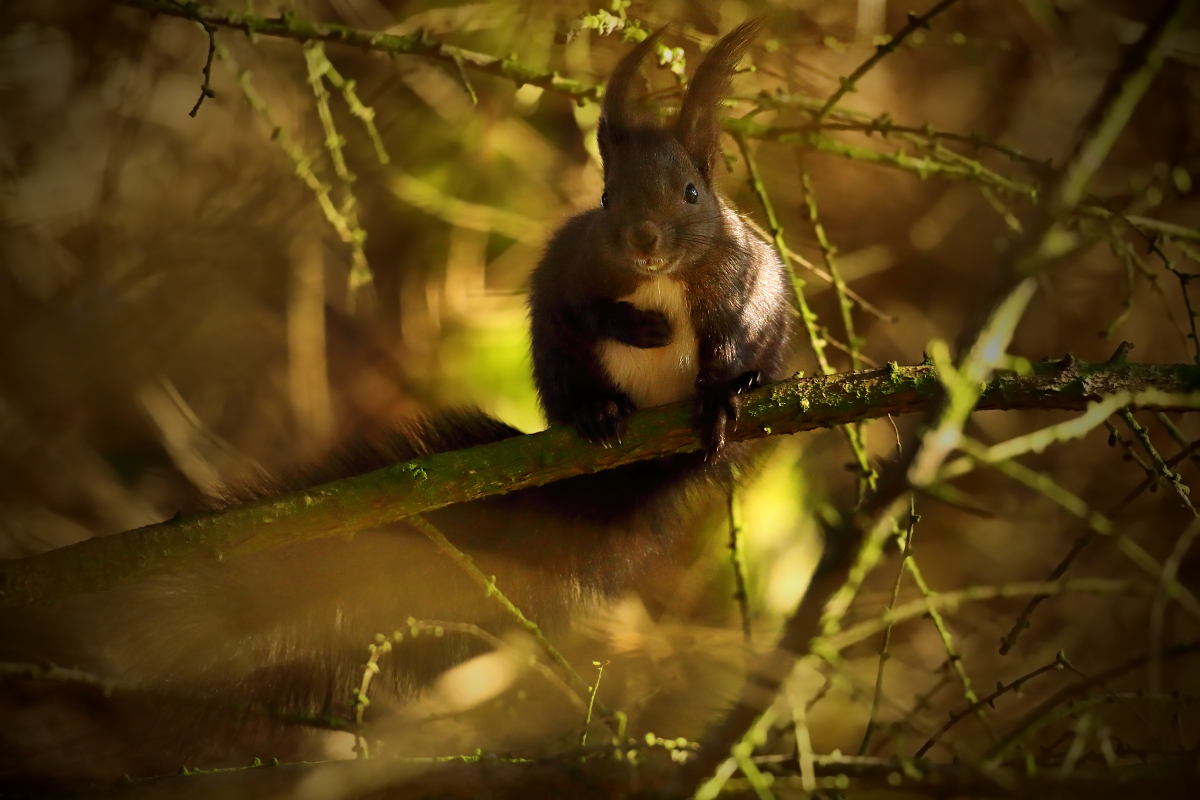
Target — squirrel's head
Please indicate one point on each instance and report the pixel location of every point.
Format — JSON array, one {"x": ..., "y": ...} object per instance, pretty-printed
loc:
[{"x": 659, "y": 198}]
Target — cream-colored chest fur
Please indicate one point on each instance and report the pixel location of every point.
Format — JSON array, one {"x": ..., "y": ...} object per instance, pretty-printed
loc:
[{"x": 654, "y": 376}]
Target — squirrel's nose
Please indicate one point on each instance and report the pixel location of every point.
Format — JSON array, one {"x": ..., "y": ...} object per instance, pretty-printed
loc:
[{"x": 643, "y": 236}]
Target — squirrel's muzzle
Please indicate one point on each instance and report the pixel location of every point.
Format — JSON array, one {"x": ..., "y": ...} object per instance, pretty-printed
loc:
[{"x": 643, "y": 237}]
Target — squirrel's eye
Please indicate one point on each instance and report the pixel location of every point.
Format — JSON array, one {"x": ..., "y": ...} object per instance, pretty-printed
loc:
[
  {"x": 690, "y": 194},
  {"x": 604, "y": 200}
]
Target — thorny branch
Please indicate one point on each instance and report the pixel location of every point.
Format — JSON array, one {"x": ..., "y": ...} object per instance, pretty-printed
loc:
[
  {"x": 1059, "y": 662},
  {"x": 1036, "y": 716}
]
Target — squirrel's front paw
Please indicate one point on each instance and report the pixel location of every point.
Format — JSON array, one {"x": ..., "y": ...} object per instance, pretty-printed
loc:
[
  {"x": 602, "y": 419},
  {"x": 650, "y": 329},
  {"x": 718, "y": 406}
]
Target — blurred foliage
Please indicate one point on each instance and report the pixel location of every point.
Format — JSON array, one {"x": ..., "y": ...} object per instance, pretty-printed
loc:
[{"x": 161, "y": 328}]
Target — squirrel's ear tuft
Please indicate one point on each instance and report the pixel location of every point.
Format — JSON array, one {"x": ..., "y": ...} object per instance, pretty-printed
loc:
[
  {"x": 616, "y": 116},
  {"x": 698, "y": 126}
]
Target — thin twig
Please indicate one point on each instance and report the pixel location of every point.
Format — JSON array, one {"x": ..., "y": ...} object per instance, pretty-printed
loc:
[
  {"x": 859, "y": 300},
  {"x": 816, "y": 338},
  {"x": 345, "y": 228},
  {"x": 807, "y": 316},
  {"x": 1056, "y": 707},
  {"x": 1185, "y": 281},
  {"x": 1115, "y": 438},
  {"x": 921, "y": 702},
  {"x": 735, "y": 558},
  {"x": 884, "y": 654},
  {"x": 829, "y": 253},
  {"x": 850, "y": 83},
  {"x": 1182, "y": 545},
  {"x": 1189, "y": 448},
  {"x": 358, "y": 108},
  {"x": 381, "y": 646},
  {"x": 206, "y": 89},
  {"x": 1172, "y": 478},
  {"x": 1152, "y": 480},
  {"x": 594, "y": 690},
  {"x": 884, "y": 125},
  {"x": 291, "y": 26},
  {"x": 438, "y": 627},
  {"x": 1060, "y": 662},
  {"x": 836, "y": 345},
  {"x": 952, "y": 653},
  {"x": 192, "y": 11},
  {"x": 464, "y": 562},
  {"x": 1164, "y": 296},
  {"x": 1046, "y": 486},
  {"x": 318, "y": 68},
  {"x": 805, "y": 757},
  {"x": 915, "y": 609},
  {"x": 856, "y": 433}
]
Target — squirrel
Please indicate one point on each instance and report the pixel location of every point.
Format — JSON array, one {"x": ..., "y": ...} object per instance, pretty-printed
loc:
[{"x": 662, "y": 294}]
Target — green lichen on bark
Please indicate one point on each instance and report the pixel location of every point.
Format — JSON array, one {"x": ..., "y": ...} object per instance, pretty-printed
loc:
[{"x": 402, "y": 490}]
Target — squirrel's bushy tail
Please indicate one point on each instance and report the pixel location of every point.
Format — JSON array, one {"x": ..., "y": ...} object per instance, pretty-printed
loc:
[{"x": 209, "y": 660}]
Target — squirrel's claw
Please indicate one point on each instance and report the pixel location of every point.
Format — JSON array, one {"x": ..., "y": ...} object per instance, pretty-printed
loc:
[
  {"x": 746, "y": 382},
  {"x": 719, "y": 406},
  {"x": 602, "y": 421}
]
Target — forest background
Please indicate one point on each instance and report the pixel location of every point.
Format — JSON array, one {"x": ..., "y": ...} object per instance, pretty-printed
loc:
[{"x": 221, "y": 250}]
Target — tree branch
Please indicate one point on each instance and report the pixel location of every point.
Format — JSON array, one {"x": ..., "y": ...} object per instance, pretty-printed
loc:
[
  {"x": 290, "y": 26},
  {"x": 400, "y": 491}
]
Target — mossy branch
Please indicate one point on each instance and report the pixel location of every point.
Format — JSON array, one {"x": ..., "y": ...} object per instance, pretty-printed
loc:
[
  {"x": 290, "y": 26},
  {"x": 403, "y": 490}
]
